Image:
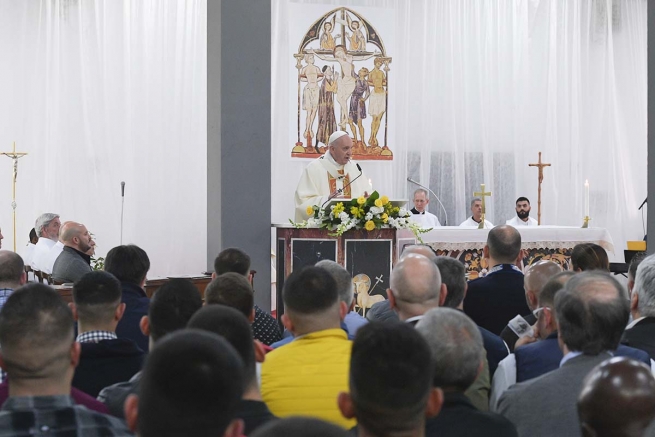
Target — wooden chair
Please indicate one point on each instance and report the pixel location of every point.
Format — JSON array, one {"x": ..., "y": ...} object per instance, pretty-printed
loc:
[{"x": 46, "y": 278}]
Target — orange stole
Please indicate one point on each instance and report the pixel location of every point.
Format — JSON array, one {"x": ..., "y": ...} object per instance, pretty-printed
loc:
[{"x": 333, "y": 185}]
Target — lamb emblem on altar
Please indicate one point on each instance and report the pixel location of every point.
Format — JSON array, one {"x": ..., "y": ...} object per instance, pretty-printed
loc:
[{"x": 343, "y": 83}]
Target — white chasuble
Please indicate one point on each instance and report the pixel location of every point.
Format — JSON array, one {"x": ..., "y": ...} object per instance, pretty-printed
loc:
[{"x": 323, "y": 177}]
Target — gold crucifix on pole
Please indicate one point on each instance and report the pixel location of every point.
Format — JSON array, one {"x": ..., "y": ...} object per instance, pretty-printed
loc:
[
  {"x": 14, "y": 155},
  {"x": 541, "y": 166},
  {"x": 482, "y": 194}
]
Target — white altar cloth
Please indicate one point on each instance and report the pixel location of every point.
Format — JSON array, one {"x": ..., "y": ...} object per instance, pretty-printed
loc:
[{"x": 541, "y": 237}]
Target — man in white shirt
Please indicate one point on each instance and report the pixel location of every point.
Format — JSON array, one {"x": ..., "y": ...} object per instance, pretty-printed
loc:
[
  {"x": 332, "y": 173},
  {"x": 522, "y": 214},
  {"x": 47, "y": 229},
  {"x": 476, "y": 217},
  {"x": 419, "y": 213}
]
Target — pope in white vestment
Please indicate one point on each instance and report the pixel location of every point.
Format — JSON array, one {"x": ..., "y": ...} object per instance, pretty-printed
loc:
[{"x": 328, "y": 174}]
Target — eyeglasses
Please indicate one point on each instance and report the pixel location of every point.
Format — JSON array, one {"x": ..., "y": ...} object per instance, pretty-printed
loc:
[{"x": 538, "y": 310}]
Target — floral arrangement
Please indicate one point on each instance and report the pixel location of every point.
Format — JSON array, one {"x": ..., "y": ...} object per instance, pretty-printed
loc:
[{"x": 370, "y": 213}]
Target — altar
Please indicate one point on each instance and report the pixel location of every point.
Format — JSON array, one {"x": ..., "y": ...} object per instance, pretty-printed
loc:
[{"x": 553, "y": 243}]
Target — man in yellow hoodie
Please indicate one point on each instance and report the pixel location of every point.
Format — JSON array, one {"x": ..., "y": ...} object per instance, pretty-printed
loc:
[{"x": 305, "y": 376}]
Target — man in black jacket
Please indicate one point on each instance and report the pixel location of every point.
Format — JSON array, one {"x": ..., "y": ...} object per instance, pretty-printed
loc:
[
  {"x": 495, "y": 299},
  {"x": 105, "y": 359}
]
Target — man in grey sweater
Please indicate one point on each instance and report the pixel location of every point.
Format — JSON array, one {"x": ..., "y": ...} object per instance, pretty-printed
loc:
[{"x": 73, "y": 262}]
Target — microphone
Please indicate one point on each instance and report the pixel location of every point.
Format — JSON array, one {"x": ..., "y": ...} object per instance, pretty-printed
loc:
[
  {"x": 435, "y": 196},
  {"x": 340, "y": 190},
  {"x": 122, "y": 207},
  {"x": 643, "y": 203}
]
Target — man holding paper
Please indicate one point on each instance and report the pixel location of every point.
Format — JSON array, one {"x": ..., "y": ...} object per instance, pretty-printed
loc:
[{"x": 331, "y": 175}]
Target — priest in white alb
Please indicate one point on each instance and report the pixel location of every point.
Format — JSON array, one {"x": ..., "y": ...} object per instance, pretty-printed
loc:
[
  {"x": 331, "y": 175},
  {"x": 522, "y": 214},
  {"x": 420, "y": 214},
  {"x": 476, "y": 216}
]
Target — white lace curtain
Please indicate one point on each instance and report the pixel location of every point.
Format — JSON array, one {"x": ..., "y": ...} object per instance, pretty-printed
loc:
[
  {"x": 483, "y": 86},
  {"x": 100, "y": 92}
]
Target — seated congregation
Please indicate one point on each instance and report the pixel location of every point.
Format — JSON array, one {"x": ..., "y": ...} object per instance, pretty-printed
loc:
[{"x": 440, "y": 357}]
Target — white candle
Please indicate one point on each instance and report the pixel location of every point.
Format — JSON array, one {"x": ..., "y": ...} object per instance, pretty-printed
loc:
[
  {"x": 586, "y": 198},
  {"x": 370, "y": 183}
]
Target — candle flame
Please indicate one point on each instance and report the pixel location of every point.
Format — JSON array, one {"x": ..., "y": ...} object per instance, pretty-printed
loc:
[{"x": 586, "y": 182}]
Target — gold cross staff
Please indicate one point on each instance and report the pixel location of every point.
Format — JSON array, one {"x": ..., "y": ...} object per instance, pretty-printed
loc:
[
  {"x": 541, "y": 166},
  {"x": 14, "y": 155},
  {"x": 482, "y": 195}
]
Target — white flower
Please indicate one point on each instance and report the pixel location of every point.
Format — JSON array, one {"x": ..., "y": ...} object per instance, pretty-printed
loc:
[
  {"x": 343, "y": 216},
  {"x": 368, "y": 216},
  {"x": 376, "y": 209}
]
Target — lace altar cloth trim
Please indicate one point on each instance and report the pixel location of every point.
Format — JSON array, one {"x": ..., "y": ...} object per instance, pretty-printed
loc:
[{"x": 527, "y": 245}]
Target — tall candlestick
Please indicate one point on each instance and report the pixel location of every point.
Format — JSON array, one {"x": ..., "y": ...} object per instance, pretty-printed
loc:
[{"x": 586, "y": 198}]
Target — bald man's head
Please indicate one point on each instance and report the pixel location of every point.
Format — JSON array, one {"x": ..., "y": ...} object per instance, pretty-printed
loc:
[
  {"x": 415, "y": 286},
  {"x": 536, "y": 277},
  {"x": 77, "y": 236},
  {"x": 617, "y": 399},
  {"x": 420, "y": 249},
  {"x": 503, "y": 244}
]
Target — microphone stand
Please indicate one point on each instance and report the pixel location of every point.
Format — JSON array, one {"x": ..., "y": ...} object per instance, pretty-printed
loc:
[
  {"x": 122, "y": 207},
  {"x": 340, "y": 190},
  {"x": 435, "y": 196}
]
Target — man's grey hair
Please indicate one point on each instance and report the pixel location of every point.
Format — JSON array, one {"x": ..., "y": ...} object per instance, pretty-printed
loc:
[
  {"x": 456, "y": 346},
  {"x": 342, "y": 277},
  {"x": 44, "y": 220},
  {"x": 421, "y": 190},
  {"x": 475, "y": 199},
  {"x": 592, "y": 312},
  {"x": 645, "y": 286},
  {"x": 453, "y": 274}
]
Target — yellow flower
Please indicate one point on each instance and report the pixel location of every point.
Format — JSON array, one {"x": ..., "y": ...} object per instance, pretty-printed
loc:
[
  {"x": 384, "y": 217},
  {"x": 378, "y": 202},
  {"x": 354, "y": 211},
  {"x": 384, "y": 200},
  {"x": 361, "y": 200},
  {"x": 369, "y": 226},
  {"x": 338, "y": 209},
  {"x": 310, "y": 210}
]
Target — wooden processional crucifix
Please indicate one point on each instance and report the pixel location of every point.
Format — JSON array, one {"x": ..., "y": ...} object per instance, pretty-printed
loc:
[
  {"x": 541, "y": 166},
  {"x": 482, "y": 194},
  {"x": 14, "y": 155}
]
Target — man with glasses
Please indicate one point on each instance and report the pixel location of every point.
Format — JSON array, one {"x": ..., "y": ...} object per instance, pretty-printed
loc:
[
  {"x": 591, "y": 311},
  {"x": 544, "y": 354}
]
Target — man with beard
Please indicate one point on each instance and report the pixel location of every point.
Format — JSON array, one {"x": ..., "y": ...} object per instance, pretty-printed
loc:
[
  {"x": 522, "y": 214},
  {"x": 73, "y": 262}
]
